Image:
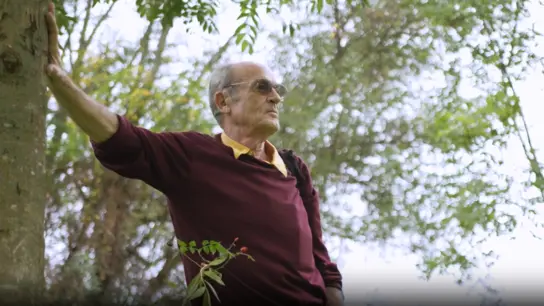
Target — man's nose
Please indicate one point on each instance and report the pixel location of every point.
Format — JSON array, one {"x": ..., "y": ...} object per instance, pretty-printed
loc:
[{"x": 275, "y": 97}]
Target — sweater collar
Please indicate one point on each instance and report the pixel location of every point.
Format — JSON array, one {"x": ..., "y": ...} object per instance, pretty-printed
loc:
[{"x": 239, "y": 149}]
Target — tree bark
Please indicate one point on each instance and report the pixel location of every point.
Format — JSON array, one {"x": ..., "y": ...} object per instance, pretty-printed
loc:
[{"x": 23, "y": 39}]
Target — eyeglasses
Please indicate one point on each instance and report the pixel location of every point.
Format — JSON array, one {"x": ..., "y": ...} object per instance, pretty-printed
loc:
[{"x": 263, "y": 86}]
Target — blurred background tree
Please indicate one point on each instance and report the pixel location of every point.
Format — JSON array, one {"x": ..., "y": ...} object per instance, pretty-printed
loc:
[{"x": 402, "y": 156}]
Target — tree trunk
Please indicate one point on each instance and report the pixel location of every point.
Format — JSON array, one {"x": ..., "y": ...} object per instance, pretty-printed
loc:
[{"x": 23, "y": 39}]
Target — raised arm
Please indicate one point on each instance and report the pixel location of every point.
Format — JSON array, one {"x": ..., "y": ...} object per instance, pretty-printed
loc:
[
  {"x": 92, "y": 117},
  {"x": 159, "y": 159}
]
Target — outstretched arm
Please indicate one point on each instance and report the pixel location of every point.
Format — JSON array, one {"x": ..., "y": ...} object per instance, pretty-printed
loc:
[
  {"x": 92, "y": 117},
  {"x": 159, "y": 159}
]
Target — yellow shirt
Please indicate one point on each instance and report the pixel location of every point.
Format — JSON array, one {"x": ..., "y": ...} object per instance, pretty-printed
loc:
[{"x": 270, "y": 150}]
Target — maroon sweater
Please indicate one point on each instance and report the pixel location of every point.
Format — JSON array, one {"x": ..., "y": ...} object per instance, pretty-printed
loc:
[{"x": 213, "y": 196}]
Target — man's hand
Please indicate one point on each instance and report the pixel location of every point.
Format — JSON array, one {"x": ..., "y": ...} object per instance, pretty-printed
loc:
[
  {"x": 53, "y": 68},
  {"x": 335, "y": 297}
]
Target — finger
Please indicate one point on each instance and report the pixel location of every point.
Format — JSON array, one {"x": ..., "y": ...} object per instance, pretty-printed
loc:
[
  {"x": 57, "y": 76},
  {"x": 54, "y": 70},
  {"x": 51, "y": 70},
  {"x": 51, "y": 20},
  {"x": 53, "y": 34}
]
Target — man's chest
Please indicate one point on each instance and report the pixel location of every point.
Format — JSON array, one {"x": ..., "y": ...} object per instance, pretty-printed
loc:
[
  {"x": 246, "y": 191},
  {"x": 247, "y": 186}
]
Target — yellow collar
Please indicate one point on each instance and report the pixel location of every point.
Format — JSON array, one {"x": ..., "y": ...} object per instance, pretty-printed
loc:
[{"x": 239, "y": 149}]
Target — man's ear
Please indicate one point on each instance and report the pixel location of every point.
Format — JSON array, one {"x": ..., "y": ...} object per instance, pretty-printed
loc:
[{"x": 221, "y": 102}]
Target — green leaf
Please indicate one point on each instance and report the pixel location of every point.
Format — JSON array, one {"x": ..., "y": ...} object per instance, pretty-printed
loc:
[
  {"x": 239, "y": 38},
  {"x": 245, "y": 45},
  {"x": 194, "y": 290},
  {"x": 239, "y": 30},
  {"x": 192, "y": 246},
  {"x": 182, "y": 247},
  {"x": 319, "y": 5},
  {"x": 197, "y": 293},
  {"x": 215, "y": 276},
  {"x": 210, "y": 286},
  {"x": 205, "y": 246},
  {"x": 219, "y": 247},
  {"x": 207, "y": 301},
  {"x": 212, "y": 248},
  {"x": 218, "y": 261}
]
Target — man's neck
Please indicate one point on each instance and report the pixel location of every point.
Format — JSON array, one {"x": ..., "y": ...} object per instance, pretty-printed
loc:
[{"x": 253, "y": 142}]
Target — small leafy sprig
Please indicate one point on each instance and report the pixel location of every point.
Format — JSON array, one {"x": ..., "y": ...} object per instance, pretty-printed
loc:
[{"x": 201, "y": 285}]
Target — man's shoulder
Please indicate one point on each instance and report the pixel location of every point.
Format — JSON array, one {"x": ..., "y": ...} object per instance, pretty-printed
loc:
[
  {"x": 298, "y": 168},
  {"x": 188, "y": 135},
  {"x": 293, "y": 156},
  {"x": 192, "y": 135},
  {"x": 294, "y": 162},
  {"x": 193, "y": 139}
]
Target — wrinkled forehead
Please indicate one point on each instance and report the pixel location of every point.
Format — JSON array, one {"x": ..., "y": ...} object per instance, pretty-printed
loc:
[{"x": 243, "y": 72}]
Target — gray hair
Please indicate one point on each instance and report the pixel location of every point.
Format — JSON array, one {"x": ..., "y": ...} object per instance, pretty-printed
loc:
[{"x": 219, "y": 78}]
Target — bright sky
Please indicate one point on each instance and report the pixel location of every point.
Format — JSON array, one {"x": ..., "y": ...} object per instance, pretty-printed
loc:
[{"x": 367, "y": 272}]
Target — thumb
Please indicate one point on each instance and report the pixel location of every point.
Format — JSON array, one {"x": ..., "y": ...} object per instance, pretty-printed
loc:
[
  {"x": 52, "y": 70},
  {"x": 56, "y": 76}
]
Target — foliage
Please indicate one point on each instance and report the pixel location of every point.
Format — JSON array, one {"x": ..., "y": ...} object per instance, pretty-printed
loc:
[
  {"x": 377, "y": 109},
  {"x": 204, "y": 13},
  {"x": 200, "y": 286},
  {"x": 103, "y": 224}
]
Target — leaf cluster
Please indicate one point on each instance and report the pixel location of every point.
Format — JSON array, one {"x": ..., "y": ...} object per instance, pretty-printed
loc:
[{"x": 200, "y": 286}]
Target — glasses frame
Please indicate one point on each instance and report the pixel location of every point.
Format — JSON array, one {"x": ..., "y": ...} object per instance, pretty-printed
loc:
[{"x": 275, "y": 86}]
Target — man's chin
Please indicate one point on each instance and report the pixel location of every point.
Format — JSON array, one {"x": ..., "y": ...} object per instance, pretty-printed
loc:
[{"x": 270, "y": 127}]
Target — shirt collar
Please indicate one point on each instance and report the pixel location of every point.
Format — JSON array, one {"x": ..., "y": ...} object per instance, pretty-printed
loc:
[{"x": 239, "y": 149}]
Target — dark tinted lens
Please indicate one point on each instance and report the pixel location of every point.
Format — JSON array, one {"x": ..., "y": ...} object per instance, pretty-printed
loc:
[
  {"x": 281, "y": 90},
  {"x": 263, "y": 86}
]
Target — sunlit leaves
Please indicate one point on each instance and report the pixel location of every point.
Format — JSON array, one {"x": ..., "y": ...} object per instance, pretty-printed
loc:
[
  {"x": 201, "y": 11},
  {"x": 204, "y": 13},
  {"x": 64, "y": 20},
  {"x": 383, "y": 115},
  {"x": 460, "y": 127}
]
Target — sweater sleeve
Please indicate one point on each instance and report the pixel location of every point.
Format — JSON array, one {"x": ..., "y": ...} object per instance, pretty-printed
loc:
[
  {"x": 329, "y": 270},
  {"x": 159, "y": 159}
]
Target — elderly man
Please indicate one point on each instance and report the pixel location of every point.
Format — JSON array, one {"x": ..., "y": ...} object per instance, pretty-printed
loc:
[{"x": 235, "y": 184}]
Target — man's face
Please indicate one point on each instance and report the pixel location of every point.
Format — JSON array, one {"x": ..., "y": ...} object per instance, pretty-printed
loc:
[{"x": 253, "y": 100}]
